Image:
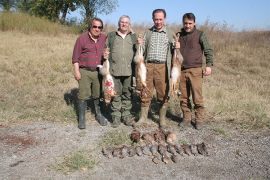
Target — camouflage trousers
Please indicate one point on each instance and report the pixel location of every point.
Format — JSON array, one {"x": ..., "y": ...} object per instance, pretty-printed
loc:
[{"x": 121, "y": 104}]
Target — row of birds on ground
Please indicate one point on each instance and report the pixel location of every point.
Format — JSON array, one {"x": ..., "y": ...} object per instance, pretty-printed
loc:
[{"x": 161, "y": 146}]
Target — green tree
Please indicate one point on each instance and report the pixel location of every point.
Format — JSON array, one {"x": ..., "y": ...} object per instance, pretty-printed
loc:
[
  {"x": 94, "y": 7},
  {"x": 6, "y": 5}
]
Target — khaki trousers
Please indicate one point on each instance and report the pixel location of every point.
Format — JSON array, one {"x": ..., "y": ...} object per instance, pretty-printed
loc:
[
  {"x": 191, "y": 85},
  {"x": 156, "y": 78}
]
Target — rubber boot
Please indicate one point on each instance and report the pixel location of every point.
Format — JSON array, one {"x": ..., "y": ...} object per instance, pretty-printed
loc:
[
  {"x": 116, "y": 121},
  {"x": 162, "y": 115},
  {"x": 81, "y": 113},
  {"x": 144, "y": 115},
  {"x": 99, "y": 117}
]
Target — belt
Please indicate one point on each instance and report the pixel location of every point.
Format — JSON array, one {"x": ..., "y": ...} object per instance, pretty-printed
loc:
[
  {"x": 89, "y": 68},
  {"x": 156, "y": 62}
]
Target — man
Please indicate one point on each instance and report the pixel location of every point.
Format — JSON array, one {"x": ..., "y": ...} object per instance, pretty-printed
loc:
[
  {"x": 87, "y": 54},
  {"x": 157, "y": 45},
  {"x": 193, "y": 44},
  {"x": 122, "y": 50}
]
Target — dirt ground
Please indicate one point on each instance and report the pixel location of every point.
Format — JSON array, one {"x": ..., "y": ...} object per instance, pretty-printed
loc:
[{"x": 29, "y": 149}]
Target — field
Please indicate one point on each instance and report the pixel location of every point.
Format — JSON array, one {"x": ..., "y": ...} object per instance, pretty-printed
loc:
[{"x": 38, "y": 125}]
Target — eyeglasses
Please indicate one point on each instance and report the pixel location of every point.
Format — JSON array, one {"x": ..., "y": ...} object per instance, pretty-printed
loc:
[{"x": 99, "y": 27}]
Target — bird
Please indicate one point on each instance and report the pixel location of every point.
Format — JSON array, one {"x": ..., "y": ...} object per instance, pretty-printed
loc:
[
  {"x": 159, "y": 135},
  {"x": 162, "y": 149},
  {"x": 138, "y": 150},
  {"x": 171, "y": 149},
  {"x": 124, "y": 152},
  {"x": 135, "y": 136},
  {"x": 131, "y": 151},
  {"x": 201, "y": 148},
  {"x": 194, "y": 150},
  {"x": 116, "y": 152},
  {"x": 179, "y": 149},
  {"x": 175, "y": 158},
  {"x": 171, "y": 138},
  {"x": 146, "y": 150},
  {"x": 107, "y": 81},
  {"x": 107, "y": 152},
  {"x": 186, "y": 149},
  {"x": 148, "y": 137},
  {"x": 154, "y": 149}
]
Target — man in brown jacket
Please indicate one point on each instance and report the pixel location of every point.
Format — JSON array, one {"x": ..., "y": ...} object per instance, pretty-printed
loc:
[{"x": 193, "y": 44}]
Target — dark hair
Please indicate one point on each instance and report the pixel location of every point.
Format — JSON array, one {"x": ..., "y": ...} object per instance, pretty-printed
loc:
[
  {"x": 94, "y": 19},
  {"x": 158, "y": 10},
  {"x": 189, "y": 16}
]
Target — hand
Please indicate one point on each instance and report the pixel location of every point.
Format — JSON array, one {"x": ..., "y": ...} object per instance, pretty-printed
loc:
[
  {"x": 106, "y": 53},
  {"x": 207, "y": 71},
  {"x": 140, "y": 41},
  {"x": 177, "y": 45},
  {"x": 77, "y": 75}
]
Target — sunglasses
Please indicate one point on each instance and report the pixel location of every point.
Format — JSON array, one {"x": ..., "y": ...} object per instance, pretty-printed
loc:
[{"x": 99, "y": 27}]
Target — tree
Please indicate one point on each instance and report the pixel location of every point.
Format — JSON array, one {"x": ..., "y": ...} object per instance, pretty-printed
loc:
[
  {"x": 6, "y": 5},
  {"x": 94, "y": 7}
]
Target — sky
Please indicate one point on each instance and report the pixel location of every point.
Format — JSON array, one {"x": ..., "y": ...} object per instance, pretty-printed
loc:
[{"x": 237, "y": 14}]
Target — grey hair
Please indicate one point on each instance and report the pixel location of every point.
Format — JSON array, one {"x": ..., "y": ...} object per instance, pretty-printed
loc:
[{"x": 123, "y": 16}]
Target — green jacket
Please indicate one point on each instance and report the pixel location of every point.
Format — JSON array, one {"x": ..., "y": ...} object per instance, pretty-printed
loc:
[
  {"x": 122, "y": 52},
  {"x": 147, "y": 38}
]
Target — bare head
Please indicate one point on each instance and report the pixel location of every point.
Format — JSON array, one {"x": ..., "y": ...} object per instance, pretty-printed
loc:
[
  {"x": 95, "y": 27},
  {"x": 159, "y": 16},
  {"x": 124, "y": 24},
  {"x": 188, "y": 22}
]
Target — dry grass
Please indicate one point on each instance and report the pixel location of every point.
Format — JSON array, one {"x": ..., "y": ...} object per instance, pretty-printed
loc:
[{"x": 36, "y": 76}]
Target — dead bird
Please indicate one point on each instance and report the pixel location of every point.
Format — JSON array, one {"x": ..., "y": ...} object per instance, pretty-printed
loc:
[
  {"x": 124, "y": 152},
  {"x": 179, "y": 149},
  {"x": 135, "y": 136},
  {"x": 159, "y": 135},
  {"x": 157, "y": 158},
  {"x": 193, "y": 149},
  {"x": 107, "y": 152},
  {"x": 146, "y": 150},
  {"x": 186, "y": 149},
  {"x": 162, "y": 149},
  {"x": 175, "y": 158},
  {"x": 171, "y": 138},
  {"x": 138, "y": 150},
  {"x": 166, "y": 158},
  {"x": 148, "y": 138},
  {"x": 154, "y": 149},
  {"x": 131, "y": 151},
  {"x": 171, "y": 149},
  {"x": 116, "y": 152},
  {"x": 201, "y": 148}
]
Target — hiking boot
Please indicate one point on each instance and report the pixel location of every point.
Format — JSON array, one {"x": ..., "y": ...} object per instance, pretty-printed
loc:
[{"x": 116, "y": 121}]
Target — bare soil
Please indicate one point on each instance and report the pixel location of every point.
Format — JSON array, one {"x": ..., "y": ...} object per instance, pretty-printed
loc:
[{"x": 29, "y": 150}]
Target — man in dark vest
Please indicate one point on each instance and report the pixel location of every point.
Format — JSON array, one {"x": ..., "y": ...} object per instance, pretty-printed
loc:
[
  {"x": 121, "y": 44},
  {"x": 87, "y": 54},
  {"x": 193, "y": 44}
]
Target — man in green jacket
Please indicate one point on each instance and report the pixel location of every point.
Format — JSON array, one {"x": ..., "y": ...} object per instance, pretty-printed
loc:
[
  {"x": 193, "y": 45},
  {"x": 121, "y": 44},
  {"x": 157, "y": 44}
]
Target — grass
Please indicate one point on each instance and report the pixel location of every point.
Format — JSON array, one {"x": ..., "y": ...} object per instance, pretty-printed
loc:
[
  {"x": 36, "y": 73},
  {"x": 115, "y": 138},
  {"x": 77, "y": 161}
]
